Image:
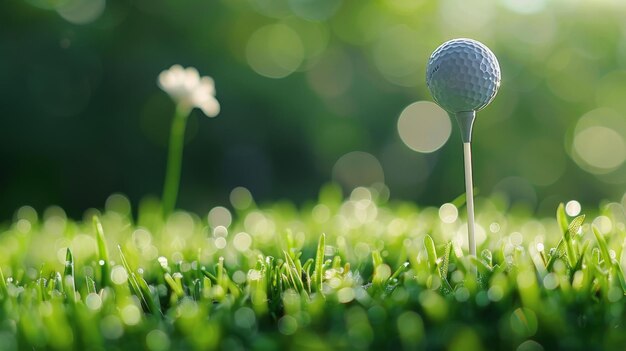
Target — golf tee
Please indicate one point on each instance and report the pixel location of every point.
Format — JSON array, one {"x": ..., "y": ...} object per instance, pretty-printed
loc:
[{"x": 469, "y": 192}]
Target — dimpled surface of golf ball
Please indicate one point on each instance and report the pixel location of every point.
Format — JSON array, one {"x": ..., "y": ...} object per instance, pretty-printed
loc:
[{"x": 463, "y": 75}]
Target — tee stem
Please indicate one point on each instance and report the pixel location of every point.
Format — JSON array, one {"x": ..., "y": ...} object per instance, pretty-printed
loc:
[{"x": 469, "y": 194}]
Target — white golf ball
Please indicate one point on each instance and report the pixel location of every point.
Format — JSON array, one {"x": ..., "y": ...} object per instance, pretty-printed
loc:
[{"x": 463, "y": 75}]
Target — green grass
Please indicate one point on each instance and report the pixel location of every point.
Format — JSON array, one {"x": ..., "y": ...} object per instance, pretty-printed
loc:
[{"x": 355, "y": 273}]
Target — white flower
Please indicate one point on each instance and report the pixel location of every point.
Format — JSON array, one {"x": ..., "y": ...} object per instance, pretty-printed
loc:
[{"x": 189, "y": 90}]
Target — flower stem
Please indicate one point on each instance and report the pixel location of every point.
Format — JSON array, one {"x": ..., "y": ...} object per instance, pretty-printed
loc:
[{"x": 174, "y": 160}]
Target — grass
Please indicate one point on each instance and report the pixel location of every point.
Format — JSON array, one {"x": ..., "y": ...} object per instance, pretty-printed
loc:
[{"x": 354, "y": 273}]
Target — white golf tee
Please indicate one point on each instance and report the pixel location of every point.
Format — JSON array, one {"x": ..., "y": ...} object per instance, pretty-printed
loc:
[{"x": 469, "y": 194}]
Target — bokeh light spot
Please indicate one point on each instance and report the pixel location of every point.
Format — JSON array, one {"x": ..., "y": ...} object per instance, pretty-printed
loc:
[
  {"x": 530, "y": 345},
  {"x": 541, "y": 161},
  {"x": 275, "y": 51},
  {"x": 157, "y": 340},
  {"x": 424, "y": 127},
  {"x": 332, "y": 75},
  {"x": 455, "y": 13},
  {"x": 572, "y": 208},
  {"x": 82, "y": 11},
  {"x": 448, "y": 213},
  {"x": 525, "y": 6},
  {"x": 130, "y": 314},
  {"x": 119, "y": 275},
  {"x": 358, "y": 168},
  {"x": 524, "y": 322},
  {"x": 399, "y": 57},
  {"x": 600, "y": 147},
  {"x": 242, "y": 241},
  {"x": 219, "y": 216},
  {"x": 598, "y": 144},
  {"x": 240, "y": 198},
  {"x": 287, "y": 325},
  {"x": 93, "y": 301},
  {"x": 111, "y": 327},
  {"x": 245, "y": 318},
  {"x": 315, "y": 10}
]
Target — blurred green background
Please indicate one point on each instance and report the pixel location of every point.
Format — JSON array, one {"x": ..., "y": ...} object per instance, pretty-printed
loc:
[{"x": 311, "y": 91}]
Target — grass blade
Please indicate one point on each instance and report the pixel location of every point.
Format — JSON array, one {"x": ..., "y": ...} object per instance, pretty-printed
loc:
[
  {"x": 443, "y": 270},
  {"x": 429, "y": 244},
  {"x": 561, "y": 217},
  {"x": 604, "y": 250},
  {"x": 292, "y": 272},
  {"x": 403, "y": 267},
  {"x": 558, "y": 253},
  {"x": 3, "y": 286},
  {"x": 103, "y": 254},
  {"x": 91, "y": 285},
  {"x": 143, "y": 294},
  {"x": 69, "y": 284},
  {"x": 569, "y": 233},
  {"x": 575, "y": 225},
  {"x": 318, "y": 274}
]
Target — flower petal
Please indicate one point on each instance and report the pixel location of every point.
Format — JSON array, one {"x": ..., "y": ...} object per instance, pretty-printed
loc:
[
  {"x": 207, "y": 83},
  {"x": 210, "y": 107}
]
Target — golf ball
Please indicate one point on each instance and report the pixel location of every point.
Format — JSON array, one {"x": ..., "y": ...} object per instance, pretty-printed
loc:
[{"x": 463, "y": 75}]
